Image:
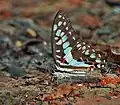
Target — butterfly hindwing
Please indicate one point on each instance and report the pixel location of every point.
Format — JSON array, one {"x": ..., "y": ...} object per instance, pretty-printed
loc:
[{"x": 68, "y": 48}]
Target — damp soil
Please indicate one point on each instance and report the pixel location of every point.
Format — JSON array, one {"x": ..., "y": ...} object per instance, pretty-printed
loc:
[{"x": 38, "y": 89}]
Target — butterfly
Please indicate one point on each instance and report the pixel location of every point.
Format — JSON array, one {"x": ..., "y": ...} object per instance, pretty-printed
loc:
[{"x": 71, "y": 54}]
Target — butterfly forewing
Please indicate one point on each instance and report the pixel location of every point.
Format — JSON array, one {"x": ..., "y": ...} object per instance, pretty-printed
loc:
[{"x": 63, "y": 36}]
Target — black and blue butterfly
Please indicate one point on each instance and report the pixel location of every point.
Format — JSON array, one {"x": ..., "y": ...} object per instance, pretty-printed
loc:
[{"x": 70, "y": 52}]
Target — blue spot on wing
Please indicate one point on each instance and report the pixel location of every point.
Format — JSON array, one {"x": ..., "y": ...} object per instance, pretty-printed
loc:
[
  {"x": 67, "y": 50},
  {"x": 66, "y": 44},
  {"x": 87, "y": 52},
  {"x": 55, "y": 27},
  {"x": 78, "y": 64},
  {"x": 64, "y": 38},
  {"x": 58, "y": 32},
  {"x": 68, "y": 57},
  {"x": 92, "y": 55},
  {"x": 98, "y": 60}
]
